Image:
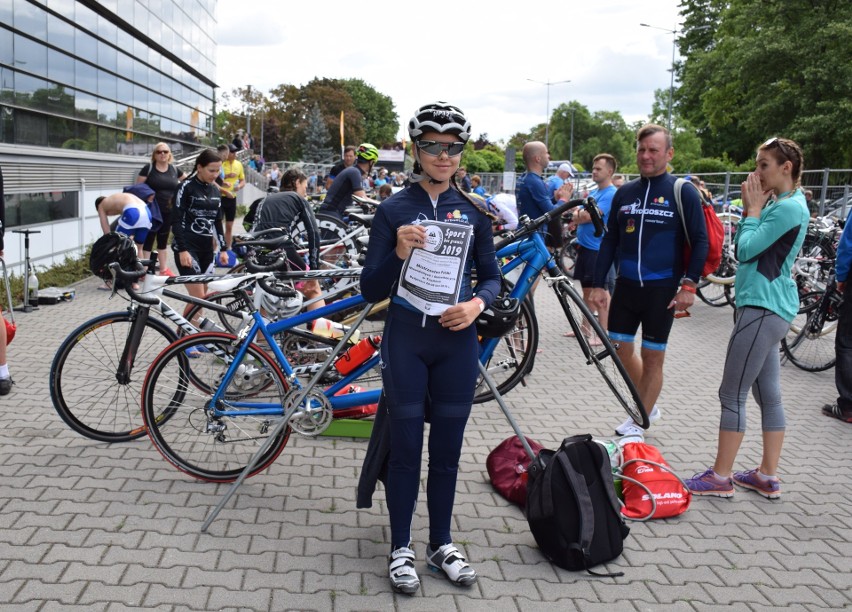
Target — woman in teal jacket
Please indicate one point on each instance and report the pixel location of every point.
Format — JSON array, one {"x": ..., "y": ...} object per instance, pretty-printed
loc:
[{"x": 769, "y": 237}]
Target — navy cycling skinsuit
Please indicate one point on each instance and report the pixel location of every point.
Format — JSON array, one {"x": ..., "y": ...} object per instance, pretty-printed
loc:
[
  {"x": 339, "y": 195},
  {"x": 285, "y": 210},
  {"x": 197, "y": 215},
  {"x": 645, "y": 236},
  {"x": 420, "y": 358}
]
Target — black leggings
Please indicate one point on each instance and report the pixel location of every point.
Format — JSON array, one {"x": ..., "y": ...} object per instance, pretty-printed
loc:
[{"x": 163, "y": 232}]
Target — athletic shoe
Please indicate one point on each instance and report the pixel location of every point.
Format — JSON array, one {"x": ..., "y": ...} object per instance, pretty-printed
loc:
[
  {"x": 6, "y": 386},
  {"x": 167, "y": 272},
  {"x": 403, "y": 576},
  {"x": 630, "y": 425},
  {"x": 631, "y": 433},
  {"x": 768, "y": 486},
  {"x": 451, "y": 562},
  {"x": 711, "y": 484}
]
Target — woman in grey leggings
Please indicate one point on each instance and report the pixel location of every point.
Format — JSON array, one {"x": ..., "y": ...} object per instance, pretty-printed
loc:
[{"x": 768, "y": 238}]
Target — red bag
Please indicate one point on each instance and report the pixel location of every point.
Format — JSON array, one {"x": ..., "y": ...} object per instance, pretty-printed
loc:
[
  {"x": 644, "y": 463},
  {"x": 715, "y": 231},
  {"x": 10, "y": 329},
  {"x": 507, "y": 467}
]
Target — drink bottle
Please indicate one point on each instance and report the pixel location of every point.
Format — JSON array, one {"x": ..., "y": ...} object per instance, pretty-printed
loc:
[{"x": 358, "y": 354}]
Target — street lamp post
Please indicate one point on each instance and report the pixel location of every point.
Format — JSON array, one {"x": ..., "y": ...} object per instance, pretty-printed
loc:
[
  {"x": 571, "y": 149},
  {"x": 674, "y": 34},
  {"x": 547, "y": 125}
]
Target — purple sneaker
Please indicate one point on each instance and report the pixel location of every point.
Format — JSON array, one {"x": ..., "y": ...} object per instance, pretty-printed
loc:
[
  {"x": 769, "y": 487},
  {"x": 710, "y": 484}
]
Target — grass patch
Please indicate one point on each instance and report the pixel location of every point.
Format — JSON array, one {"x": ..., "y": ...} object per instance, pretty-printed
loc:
[{"x": 70, "y": 271}]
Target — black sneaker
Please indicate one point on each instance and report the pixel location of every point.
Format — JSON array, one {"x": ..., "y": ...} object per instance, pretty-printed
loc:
[{"x": 6, "y": 386}]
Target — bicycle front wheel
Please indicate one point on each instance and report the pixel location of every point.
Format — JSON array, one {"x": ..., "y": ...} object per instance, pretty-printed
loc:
[
  {"x": 87, "y": 387},
  {"x": 512, "y": 358},
  {"x": 214, "y": 443},
  {"x": 604, "y": 356}
]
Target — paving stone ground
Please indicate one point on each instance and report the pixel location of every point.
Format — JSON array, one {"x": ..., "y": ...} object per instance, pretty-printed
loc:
[{"x": 89, "y": 525}]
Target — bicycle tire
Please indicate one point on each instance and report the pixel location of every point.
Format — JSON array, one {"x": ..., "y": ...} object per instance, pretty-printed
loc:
[
  {"x": 344, "y": 255},
  {"x": 83, "y": 385},
  {"x": 809, "y": 345},
  {"x": 207, "y": 447},
  {"x": 605, "y": 358},
  {"x": 230, "y": 322},
  {"x": 712, "y": 294},
  {"x": 568, "y": 257},
  {"x": 512, "y": 358}
]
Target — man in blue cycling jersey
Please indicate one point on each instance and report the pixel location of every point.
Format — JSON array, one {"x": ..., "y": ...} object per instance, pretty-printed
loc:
[
  {"x": 533, "y": 197},
  {"x": 646, "y": 235},
  {"x": 349, "y": 182}
]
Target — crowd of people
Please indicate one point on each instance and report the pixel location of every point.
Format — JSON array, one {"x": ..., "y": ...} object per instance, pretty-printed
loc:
[{"x": 636, "y": 278}]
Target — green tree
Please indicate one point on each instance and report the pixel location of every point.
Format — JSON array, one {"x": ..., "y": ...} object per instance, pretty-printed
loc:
[
  {"x": 316, "y": 147},
  {"x": 380, "y": 121},
  {"x": 769, "y": 67}
]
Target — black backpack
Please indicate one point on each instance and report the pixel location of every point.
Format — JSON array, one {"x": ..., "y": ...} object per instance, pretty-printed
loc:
[{"x": 572, "y": 508}]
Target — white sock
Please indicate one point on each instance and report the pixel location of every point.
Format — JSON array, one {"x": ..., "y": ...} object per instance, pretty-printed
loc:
[{"x": 4, "y": 371}]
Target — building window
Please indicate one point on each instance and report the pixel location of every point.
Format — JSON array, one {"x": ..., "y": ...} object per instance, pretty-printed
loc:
[{"x": 25, "y": 209}]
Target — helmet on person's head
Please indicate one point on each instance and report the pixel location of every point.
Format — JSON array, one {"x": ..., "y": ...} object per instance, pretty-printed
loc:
[
  {"x": 276, "y": 307},
  {"x": 499, "y": 318},
  {"x": 111, "y": 248},
  {"x": 439, "y": 117},
  {"x": 367, "y": 152}
]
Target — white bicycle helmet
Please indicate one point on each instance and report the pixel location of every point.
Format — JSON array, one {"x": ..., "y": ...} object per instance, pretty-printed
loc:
[
  {"x": 277, "y": 308},
  {"x": 439, "y": 117}
]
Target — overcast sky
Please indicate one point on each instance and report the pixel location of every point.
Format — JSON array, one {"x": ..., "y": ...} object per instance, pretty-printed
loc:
[{"x": 471, "y": 53}]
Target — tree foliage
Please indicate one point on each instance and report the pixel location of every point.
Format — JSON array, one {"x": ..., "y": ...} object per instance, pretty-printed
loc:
[
  {"x": 752, "y": 69},
  {"x": 292, "y": 114}
]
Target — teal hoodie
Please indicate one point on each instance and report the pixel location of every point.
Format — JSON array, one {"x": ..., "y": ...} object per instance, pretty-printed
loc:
[{"x": 766, "y": 248}]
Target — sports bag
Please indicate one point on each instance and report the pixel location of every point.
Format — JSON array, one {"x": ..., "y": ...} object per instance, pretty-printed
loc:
[
  {"x": 507, "y": 467},
  {"x": 571, "y": 507},
  {"x": 669, "y": 495},
  {"x": 715, "y": 231}
]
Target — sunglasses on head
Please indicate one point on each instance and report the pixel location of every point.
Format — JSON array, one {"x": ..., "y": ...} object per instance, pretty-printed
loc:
[
  {"x": 435, "y": 148},
  {"x": 776, "y": 142}
]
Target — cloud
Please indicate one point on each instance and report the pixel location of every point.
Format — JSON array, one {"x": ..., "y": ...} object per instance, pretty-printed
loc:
[{"x": 481, "y": 61}]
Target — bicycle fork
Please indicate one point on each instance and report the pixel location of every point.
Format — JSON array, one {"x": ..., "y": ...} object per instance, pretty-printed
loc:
[{"x": 139, "y": 318}]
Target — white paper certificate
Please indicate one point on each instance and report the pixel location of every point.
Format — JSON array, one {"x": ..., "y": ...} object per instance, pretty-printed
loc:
[{"x": 431, "y": 277}]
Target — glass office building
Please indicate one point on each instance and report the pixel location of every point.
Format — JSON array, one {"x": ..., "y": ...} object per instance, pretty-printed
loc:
[
  {"x": 112, "y": 77},
  {"x": 86, "y": 90}
]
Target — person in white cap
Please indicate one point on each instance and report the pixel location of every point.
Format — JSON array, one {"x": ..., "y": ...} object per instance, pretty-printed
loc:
[{"x": 563, "y": 173}]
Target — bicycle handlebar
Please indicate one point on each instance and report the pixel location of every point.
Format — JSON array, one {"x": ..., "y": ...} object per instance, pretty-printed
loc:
[
  {"x": 130, "y": 278},
  {"x": 527, "y": 226},
  {"x": 253, "y": 266},
  {"x": 254, "y": 240},
  {"x": 282, "y": 291}
]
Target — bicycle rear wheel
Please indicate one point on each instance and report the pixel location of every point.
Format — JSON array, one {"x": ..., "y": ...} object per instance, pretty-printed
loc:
[
  {"x": 604, "y": 357},
  {"x": 512, "y": 358},
  {"x": 84, "y": 383},
  {"x": 809, "y": 344},
  {"x": 194, "y": 436}
]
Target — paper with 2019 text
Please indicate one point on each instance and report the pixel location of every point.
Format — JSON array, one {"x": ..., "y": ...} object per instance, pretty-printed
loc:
[{"x": 431, "y": 277}]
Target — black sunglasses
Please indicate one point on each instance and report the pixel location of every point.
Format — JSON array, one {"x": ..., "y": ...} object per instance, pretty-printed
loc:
[{"x": 432, "y": 147}]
